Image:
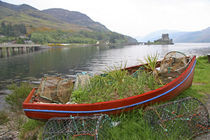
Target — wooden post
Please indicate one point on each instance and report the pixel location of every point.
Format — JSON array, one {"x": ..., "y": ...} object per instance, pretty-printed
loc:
[
  {"x": 18, "y": 50},
  {"x": 208, "y": 57},
  {"x": 36, "y": 48},
  {"x": 8, "y": 54},
  {"x": 21, "y": 50},
  {"x": 27, "y": 49},
  {"x": 1, "y": 53},
  {"x": 24, "y": 50},
  {"x": 13, "y": 50}
]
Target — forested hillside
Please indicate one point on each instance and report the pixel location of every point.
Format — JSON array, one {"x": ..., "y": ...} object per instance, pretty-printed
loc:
[{"x": 54, "y": 25}]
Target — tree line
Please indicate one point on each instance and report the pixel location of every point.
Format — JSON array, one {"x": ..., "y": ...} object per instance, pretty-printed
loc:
[
  {"x": 7, "y": 29},
  {"x": 85, "y": 37}
]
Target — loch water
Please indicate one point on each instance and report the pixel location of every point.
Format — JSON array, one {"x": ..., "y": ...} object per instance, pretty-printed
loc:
[{"x": 68, "y": 61}]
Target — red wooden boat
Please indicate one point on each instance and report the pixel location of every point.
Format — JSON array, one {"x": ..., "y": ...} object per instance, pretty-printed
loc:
[{"x": 164, "y": 93}]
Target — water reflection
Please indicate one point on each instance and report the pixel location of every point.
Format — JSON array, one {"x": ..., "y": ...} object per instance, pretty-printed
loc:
[
  {"x": 8, "y": 52},
  {"x": 70, "y": 60}
]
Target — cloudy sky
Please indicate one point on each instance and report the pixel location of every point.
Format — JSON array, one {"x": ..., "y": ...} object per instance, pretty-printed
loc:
[{"x": 136, "y": 17}]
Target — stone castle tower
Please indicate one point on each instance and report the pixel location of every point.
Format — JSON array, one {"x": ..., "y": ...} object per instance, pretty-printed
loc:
[
  {"x": 165, "y": 40},
  {"x": 165, "y": 37}
]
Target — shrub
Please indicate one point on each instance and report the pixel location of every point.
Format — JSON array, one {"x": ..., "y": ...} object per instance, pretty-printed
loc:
[
  {"x": 3, "y": 117},
  {"x": 31, "y": 129},
  {"x": 16, "y": 98}
]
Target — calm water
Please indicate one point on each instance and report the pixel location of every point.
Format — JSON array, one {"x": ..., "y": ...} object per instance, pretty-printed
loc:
[{"x": 71, "y": 60}]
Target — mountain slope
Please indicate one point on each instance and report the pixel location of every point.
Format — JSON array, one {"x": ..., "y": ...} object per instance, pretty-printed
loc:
[
  {"x": 71, "y": 26},
  {"x": 29, "y": 15},
  {"x": 202, "y": 36},
  {"x": 25, "y": 14},
  {"x": 17, "y": 8},
  {"x": 74, "y": 17},
  {"x": 4, "y": 12}
]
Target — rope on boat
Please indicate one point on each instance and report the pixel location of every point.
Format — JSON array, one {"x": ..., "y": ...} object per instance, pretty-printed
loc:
[{"x": 136, "y": 73}]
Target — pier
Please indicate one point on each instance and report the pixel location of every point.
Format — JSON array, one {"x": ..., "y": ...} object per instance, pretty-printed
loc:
[{"x": 7, "y": 50}]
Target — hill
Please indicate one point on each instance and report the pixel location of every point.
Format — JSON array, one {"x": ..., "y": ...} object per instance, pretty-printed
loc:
[
  {"x": 202, "y": 36},
  {"x": 25, "y": 14},
  {"x": 74, "y": 17},
  {"x": 69, "y": 26}
]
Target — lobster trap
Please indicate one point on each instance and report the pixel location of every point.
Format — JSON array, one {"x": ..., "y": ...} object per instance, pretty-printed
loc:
[
  {"x": 187, "y": 117},
  {"x": 174, "y": 61},
  {"x": 78, "y": 127},
  {"x": 54, "y": 90}
]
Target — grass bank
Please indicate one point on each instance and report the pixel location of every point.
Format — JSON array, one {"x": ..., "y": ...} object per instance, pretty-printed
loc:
[
  {"x": 132, "y": 125},
  {"x": 201, "y": 82}
]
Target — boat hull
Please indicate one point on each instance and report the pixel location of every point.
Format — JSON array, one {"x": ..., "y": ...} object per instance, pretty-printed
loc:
[{"x": 162, "y": 94}]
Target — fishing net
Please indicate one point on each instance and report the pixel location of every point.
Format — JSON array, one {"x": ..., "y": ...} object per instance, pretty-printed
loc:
[
  {"x": 174, "y": 61},
  {"x": 187, "y": 117},
  {"x": 54, "y": 89},
  {"x": 78, "y": 127}
]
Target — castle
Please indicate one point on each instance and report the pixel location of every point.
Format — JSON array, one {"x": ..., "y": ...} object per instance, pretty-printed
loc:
[{"x": 165, "y": 40}]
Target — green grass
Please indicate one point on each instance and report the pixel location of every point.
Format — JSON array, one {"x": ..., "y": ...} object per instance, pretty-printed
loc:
[
  {"x": 116, "y": 84},
  {"x": 202, "y": 75},
  {"x": 133, "y": 126}
]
